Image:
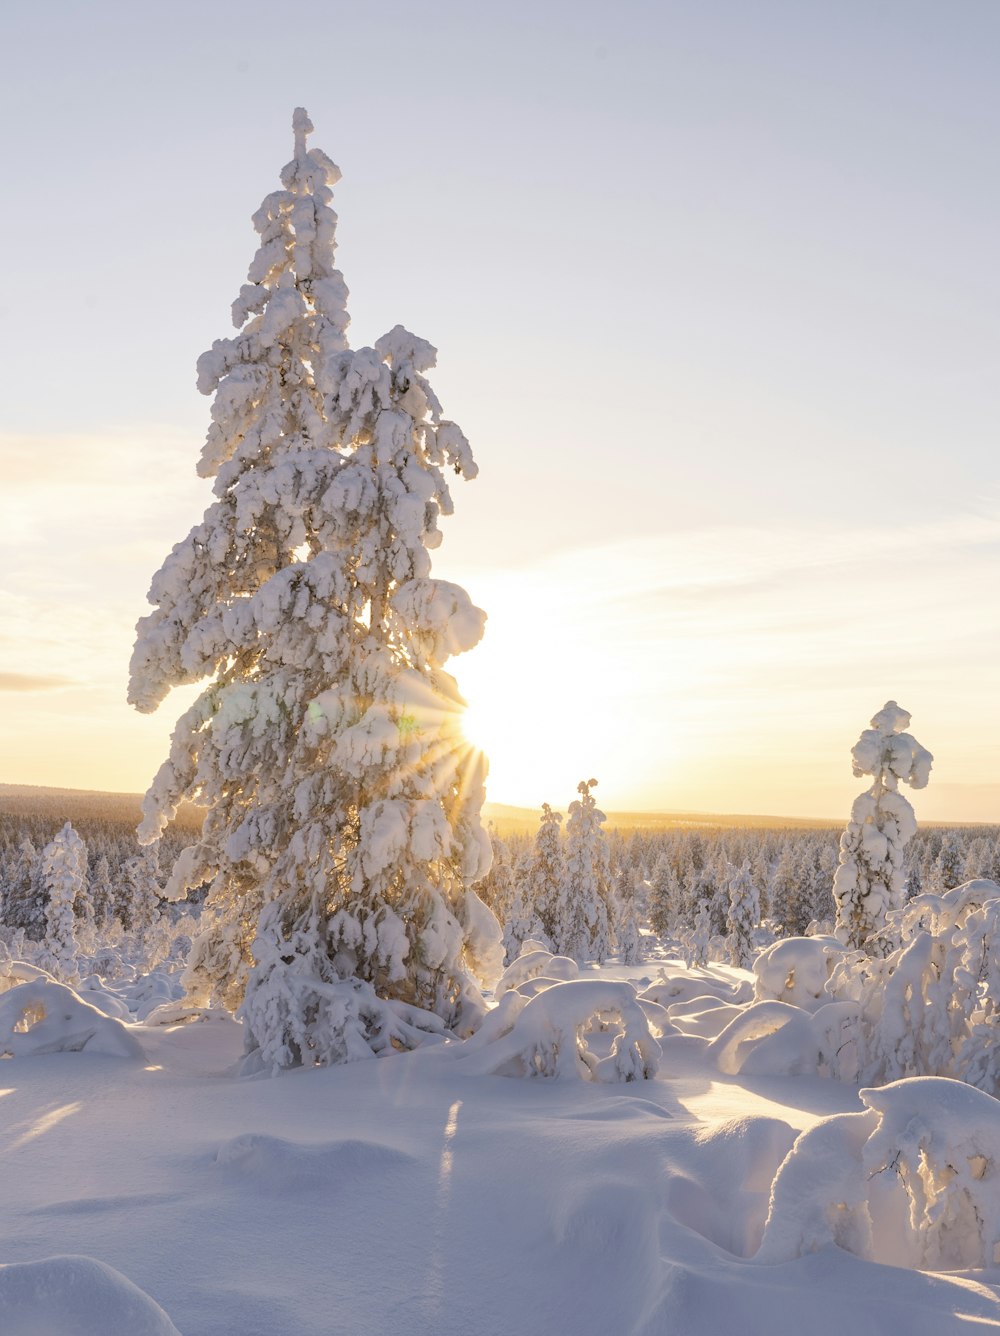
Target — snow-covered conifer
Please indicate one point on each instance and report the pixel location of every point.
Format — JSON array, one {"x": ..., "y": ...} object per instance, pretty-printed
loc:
[
  {"x": 26, "y": 897},
  {"x": 548, "y": 878},
  {"x": 587, "y": 873},
  {"x": 102, "y": 895},
  {"x": 64, "y": 873},
  {"x": 629, "y": 939},
  {"x": 665, "y": 897},
  {"x": 949, "y": 870},
  {"x": 343, "y": 829},
  {"x": 869, "y": 880},
  {"x": 744, "y": 916}
]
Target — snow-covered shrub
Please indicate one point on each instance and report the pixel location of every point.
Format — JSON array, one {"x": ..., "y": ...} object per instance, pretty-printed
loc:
[
  {"x": 47, "y": 1017},
  {"x": 930, "y": 1008},
  {"x": 696, "y": 942},
  {"x": 914, "y": 1180},
  {"x": 343, "y": 833},
  {"x": 551, "y": 1034},
  {"x": 796, "y": 970},
  {"x": 868, "y": 883},
  {"x": 777, "y": 1039}
]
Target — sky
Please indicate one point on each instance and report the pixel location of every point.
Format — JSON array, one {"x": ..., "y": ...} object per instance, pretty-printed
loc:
[{"x": 715, "y": 291}]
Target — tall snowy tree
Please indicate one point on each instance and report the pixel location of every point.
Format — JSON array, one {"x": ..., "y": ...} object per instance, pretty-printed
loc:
[
  {"x": 869, "y": 880},
  {"x": 343, "y": 830}
]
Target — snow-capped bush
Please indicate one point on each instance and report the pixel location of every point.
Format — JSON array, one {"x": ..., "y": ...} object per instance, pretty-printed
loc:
[
  {"x": 931, "y": 1007},
  {"x": 911, "y": 1181},
  {"x": 47, "y": 1017},
  {"x": 796, "y": 970},
  {"x": 553, "y": 1032}
]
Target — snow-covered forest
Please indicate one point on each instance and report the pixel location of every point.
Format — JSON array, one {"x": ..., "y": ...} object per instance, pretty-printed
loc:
[{"x": 333, "y": 1055}]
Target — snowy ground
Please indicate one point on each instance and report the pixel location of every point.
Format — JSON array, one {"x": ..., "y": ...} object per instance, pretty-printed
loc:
[{"x": 405, "y": 1195}]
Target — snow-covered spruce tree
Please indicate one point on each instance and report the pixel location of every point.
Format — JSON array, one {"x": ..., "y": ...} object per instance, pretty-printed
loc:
[
  {"x": 139, "y": 906},
  {"x": 630, "y": 950},
  {"x": 949, "y": 871},
  {"x": 343, "y": 834},
  {"x": 744, "y": 916},
  {"x": 588, "y": 876},
  {"x": 24, "y": 902},
  {"x": 868, "y": 882},
  {"x": 64, "y": 874},
  {"x": 548, "y": 877}
]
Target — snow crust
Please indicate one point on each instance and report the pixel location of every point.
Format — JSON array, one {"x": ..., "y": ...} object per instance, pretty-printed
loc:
[{"x": 687, "y": 1199}]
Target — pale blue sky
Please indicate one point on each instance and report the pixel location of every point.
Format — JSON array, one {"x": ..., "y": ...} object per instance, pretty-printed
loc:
[{"x": 725, "y": 270}]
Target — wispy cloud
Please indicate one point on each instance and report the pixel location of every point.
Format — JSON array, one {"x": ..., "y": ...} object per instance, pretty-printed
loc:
[{"x": 32, "y": 682}]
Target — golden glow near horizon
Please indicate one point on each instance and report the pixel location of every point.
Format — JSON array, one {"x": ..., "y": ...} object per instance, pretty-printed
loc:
[{"x": 734, "y": 412}]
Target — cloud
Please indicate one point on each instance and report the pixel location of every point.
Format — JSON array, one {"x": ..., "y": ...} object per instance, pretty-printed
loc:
[{"x": 32, "y": 682}]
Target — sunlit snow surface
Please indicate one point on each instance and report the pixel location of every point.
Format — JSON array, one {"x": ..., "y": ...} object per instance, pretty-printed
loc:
[{"x": 410, "y": 1195}]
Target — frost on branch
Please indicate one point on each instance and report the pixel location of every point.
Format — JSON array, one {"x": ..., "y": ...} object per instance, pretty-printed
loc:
[
  {"x": 342, "y": 834},
  {"x": 869, "y": 880}
]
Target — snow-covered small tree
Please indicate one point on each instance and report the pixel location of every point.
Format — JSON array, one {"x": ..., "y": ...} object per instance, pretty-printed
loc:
[
  {"x": 744, "y": 916},
  {"x": 102, "y": 894},
  {"x": 784, "y": 892},
  {"x": 139, "y": 904},
  {"x": 696, "y": 941},
  {"x": 665, "y": 897},
  {"x": 869, "y": 880},
  {"x": 587, "y": 873},
  {"x": 64, "y": 873},
  {"x": 26, "y": 897},
  {"x": 343, "y": 834},
  {"x": 548, "y": 877},
  {"x": 949, "y": 871},
  {"x": 522, "y": 924},
  {"x": 629, "y": 938}
]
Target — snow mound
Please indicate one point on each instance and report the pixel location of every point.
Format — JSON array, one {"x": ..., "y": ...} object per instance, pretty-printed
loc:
[
  {"x": 778, "y": 1039},
  {"x": 796, "y": 970},
  {"x": 722, "y": 1191},
  {"x": 47, "y": 1017},
  {"x": 274, "y": 1165},
  {"x": 670, "y": 989},
  {"x": 559, "y": 1032},
  {"x": 76, "y": 1296},
  {"x": 537, "y": 964},
  {"x": 911, "y": 1181}
]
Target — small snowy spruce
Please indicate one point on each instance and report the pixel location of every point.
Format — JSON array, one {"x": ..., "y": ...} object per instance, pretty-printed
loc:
[
  {"x": 343, "y": 830},
  {"x": 548, "y": 876},
  {"x": 588, "y": 879},
  {"x": 743, "y": 917},
  {"x": 64, "y": 873},
  {"x": 868, "y": 883}
]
